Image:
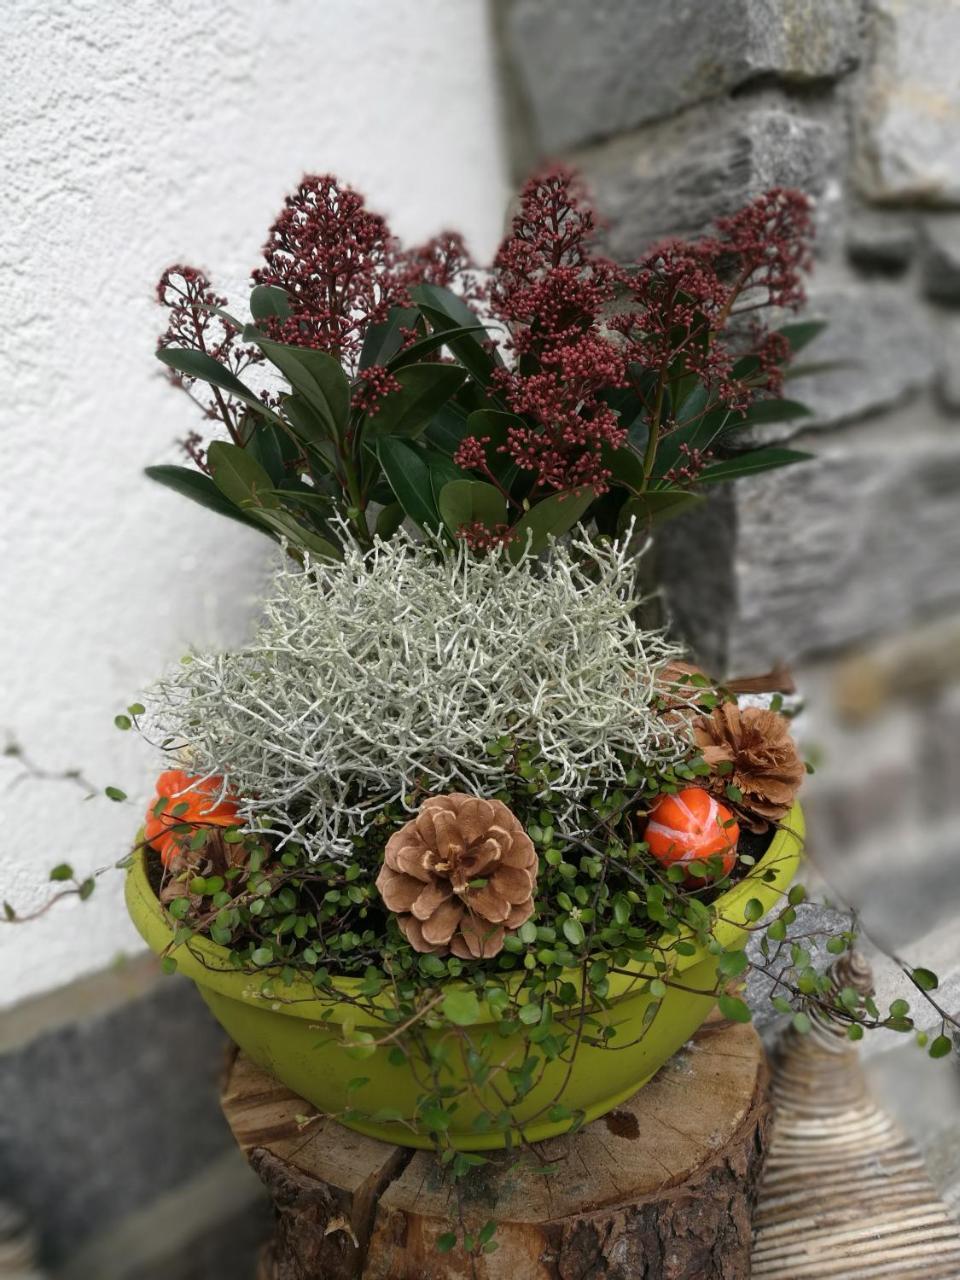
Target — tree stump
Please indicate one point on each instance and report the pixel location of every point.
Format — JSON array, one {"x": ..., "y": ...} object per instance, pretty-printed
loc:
[{"x": 662, "y": 1188}]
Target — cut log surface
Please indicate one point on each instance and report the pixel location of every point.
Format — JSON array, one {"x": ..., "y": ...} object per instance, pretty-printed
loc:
[{"x": 662, "y": 1188}]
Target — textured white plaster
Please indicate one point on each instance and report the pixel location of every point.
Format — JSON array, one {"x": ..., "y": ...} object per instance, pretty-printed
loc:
[{"x": 135, "y": 134}]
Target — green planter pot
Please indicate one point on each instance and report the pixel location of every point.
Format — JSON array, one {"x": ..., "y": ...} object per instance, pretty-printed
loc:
[{"x": 296, "y": 1040}]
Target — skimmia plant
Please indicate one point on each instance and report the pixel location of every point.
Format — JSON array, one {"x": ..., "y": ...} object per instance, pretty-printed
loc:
[{"x": 375, "y": 386}]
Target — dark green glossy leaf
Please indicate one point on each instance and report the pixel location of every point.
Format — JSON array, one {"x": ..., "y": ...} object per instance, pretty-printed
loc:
[
  {"x": 466, "y": 502},
  {"x": 383, "y": 341},
  {"x": 316, "y": 376},
  {"x": 625, "y": 465},
  {"x": 303, "y": 495},
  {"x": 553, "y": 516},
  {"x": 425, "y": 388},
  {"x": 287, "y": 526},
  {"x": 268, "y": 301},
  {"x": 746, "y": 464},
  {"x": 272, "y": 448},
  {"x": 802, "y": 333},
  {"x": 433, "y": 342},
  {"x": 447, "y": 428},
  {"x": 409, "y": 477},
  {"x": 443, "y": 471},
  {"x": 199, "y": 488},
  {"x": 692, "y": 400},
  {"x": 197, "y": 364},
  {"x": 627, "y": 404},
  {"x": 309, "y": 428},
  {"x": 762, "y": 412},
  {"x": 239, "y": 476},
  {"x": 446, "y": 311},
  {"x": 819, "y": 366},
  {"x": 389, "y": 520},
  {"x": 700, "y": 433},
  {"x": 657, "y": 505}
]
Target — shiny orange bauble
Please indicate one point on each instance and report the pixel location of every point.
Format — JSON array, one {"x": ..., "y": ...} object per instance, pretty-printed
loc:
[
  {"x": 692, "y": 826},
  {"x": 202, "y": 810}
]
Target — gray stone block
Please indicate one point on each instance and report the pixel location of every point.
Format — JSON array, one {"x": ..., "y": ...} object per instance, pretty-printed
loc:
[
  {"x": 103, "y": 1112},
  {"x": 881, "y": 242},
  {"x": 883, "y": 341},
  {"x": 948, "y": 376},
  {"x": 675, "y": 177},
  {"x": 594, "y": 70},
  {"x": 908, "y": 128},
  {"x": 208, "y": 1227},
  {"x": 941, "y": 259},
  {"x": 857, "y": 542}
]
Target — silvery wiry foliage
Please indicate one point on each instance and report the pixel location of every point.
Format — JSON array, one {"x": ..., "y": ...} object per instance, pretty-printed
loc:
[{"x": 394, "y": 669}]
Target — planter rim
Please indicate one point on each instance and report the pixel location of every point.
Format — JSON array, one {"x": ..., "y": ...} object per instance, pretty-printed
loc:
[{"x": 206, "y": 962}]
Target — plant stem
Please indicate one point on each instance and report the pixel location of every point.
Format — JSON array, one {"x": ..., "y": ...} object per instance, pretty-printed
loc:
[{"x": 653, "y": 436}]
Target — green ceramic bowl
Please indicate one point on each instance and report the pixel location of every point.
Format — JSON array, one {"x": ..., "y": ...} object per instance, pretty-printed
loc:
[{"x": 297, "y": 1039}]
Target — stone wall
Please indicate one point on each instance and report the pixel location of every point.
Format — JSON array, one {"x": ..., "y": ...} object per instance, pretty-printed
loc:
[{"x": 846, "y": 567}]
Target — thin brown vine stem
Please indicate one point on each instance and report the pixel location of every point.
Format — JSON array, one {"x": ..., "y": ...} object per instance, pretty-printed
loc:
[
  {"x": 420, "y": 1014},
  {"x": 907, "y": 969},
  {"x": 30, "y": 769}
]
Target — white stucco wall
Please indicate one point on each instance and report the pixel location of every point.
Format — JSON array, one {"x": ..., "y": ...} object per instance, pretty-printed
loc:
[{"x": 134, "y": 135}]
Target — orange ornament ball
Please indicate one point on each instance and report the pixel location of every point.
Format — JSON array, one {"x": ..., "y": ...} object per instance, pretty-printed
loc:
[
  {"x": 692, "y": 826},
  {"x": 197, "y": 804}
]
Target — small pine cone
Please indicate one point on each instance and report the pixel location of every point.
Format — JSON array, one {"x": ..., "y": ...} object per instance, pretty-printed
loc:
[
  {"x": 459, "y": 876},
  {"x": 766, "y": 764}
]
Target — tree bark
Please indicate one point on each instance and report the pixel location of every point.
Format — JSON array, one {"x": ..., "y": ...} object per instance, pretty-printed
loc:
[{"x": 662, "y": 1188}]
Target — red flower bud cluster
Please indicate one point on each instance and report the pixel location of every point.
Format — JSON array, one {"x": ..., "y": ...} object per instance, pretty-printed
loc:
[
  {"x": 445, "y": 261},
  {"x": 339, "y": 265},
  {"x": 373, "y": 383},
  {"x": 551, "y": 289},
  {"x": 482, "y": 538},
  {"x": 471, "y": 453},
  {"x": 343, "y": 270},
  {"x": 195, "y": 322},
  {"x": 688, "y": 471},
  {"x": 580, "y": 326},
  {"x": 684, "y": 295},
  {"x": 770, "y": 238}
]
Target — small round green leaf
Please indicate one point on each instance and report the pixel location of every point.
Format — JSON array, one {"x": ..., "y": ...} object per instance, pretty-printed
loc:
[
  {"x": 462, "y": 1008},
  {"x": 940, "y": 1047},
  {"x": 734, "y": 1008},
  {"x": 925, "y": 979}
]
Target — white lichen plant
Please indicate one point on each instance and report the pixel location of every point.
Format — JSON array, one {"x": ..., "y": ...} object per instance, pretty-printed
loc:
[{"x": 391, "y": 673}]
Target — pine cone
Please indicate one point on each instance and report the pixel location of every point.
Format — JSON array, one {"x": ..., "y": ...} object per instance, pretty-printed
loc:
[
  {"x": 459, "y": 876},
  {"x": 766, "y": 765}
]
